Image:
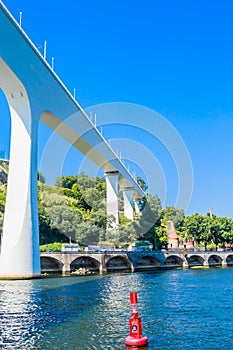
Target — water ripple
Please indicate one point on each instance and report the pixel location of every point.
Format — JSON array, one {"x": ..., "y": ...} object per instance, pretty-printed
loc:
[{"x": 180, "y": 310}]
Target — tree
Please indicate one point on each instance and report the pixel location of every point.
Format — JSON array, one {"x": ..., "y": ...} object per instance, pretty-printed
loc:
[
  {"x": 77, "y": 193},
  {"x": 48, "y": 200},
  {"x": 93, "y": 198},
  {"x": 66, "y": 181},
  {"x": 48, "y": 233},
  {"x": 126, "y": 234},
  {"x": 65, "y": 219},
  {"x": 221, "y": 230},
  {"x": 85, "y": 181},
  {"x": 88, "y": 234},
  {"x": 226, "y": 227},
  {"x": 161, "y": 236},
  {"x": 2, "y": 198},
  {"x": 124, "y": 221},
  {"x": 98, "y": 218},
  {"x": 145, "y": 225},
  {"x": 197, "y": 226},
  {"x": 172, "y": 214}
]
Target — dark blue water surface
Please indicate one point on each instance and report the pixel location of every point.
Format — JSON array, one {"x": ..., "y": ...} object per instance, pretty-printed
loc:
[{"x": 180, "y": 309}]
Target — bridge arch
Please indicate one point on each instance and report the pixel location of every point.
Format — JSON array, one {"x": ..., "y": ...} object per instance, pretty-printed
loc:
[
  {"x": 215, "y": 260},
  {"x": 147, "y": 262},
  {"x": 119, "y": 263},
  {"x": 173, "y": 261},
  {"x": 85, "y": 262},
  {"x": 195, "y": 260},
  {"x": 50, "y": 264},
  {"x": 229, "y": 260}
]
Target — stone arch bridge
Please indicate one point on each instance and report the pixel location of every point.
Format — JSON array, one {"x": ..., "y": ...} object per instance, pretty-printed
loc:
[{"x": 61, "y": 262}]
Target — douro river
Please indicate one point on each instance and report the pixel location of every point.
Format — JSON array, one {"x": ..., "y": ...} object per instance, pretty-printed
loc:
[{"x": 180, "y": 309}]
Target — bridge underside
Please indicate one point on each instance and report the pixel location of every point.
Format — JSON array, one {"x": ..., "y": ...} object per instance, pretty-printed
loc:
[{"x": 34, "y": 92}]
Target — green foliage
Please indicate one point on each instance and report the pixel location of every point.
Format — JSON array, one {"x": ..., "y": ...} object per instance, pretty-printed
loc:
[
  {"x": 66, "y": 181},
  {"x": 161, "y": 235},
  {"x": 56, "y": 246},
  {"x": 88, "y": 234},
  {"x": 65, "y": 219},
  {"x": 86, "y": 182},
  {"x": 2, "y": 197},
  {"x": 76, "y": 209},
  {"x": 172, "y": 214},
  {"x": 1, "y": 222},
  {"x": 52, "y": 199},
  {"x": 206, "y": 229},
  {"x": 98, "y": 218},
  {"x": 197, "y": 226},
  {"x": 2, "y": 205},
  {"x": 121, "y": 236},
  {"x": 94, "y": 198},
  {"x": 123, "y": 220},
  {"x": 49, "y": 233},
  {"x": 145, "y": 225},
  {"x": 77, "y": 194}
]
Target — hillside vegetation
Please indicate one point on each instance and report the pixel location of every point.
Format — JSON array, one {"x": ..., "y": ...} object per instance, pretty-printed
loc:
[{"x": 75, "y": 210}]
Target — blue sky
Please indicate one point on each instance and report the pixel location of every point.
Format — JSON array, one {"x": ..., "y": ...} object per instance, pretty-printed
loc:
[{"x": 174, "y": 57}]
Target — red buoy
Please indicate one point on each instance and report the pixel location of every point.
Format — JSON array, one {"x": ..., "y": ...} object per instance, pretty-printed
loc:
[{"x": 135, "y": 324}]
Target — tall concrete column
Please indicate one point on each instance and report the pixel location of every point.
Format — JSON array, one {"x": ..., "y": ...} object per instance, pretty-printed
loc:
[
  {"x": 20, "y": 255},
  {"x": 112, "y": 198},
  {"x": 137, "y": 205},
  {"x": 128, "y": 195}
]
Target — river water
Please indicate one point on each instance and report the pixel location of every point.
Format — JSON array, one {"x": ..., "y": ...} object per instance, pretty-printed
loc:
[{"x": 180, "y": 309}]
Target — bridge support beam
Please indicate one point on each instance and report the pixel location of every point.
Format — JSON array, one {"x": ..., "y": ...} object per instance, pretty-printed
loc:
[
  {"x": 224, "y": 262},
  {"x": 20, "y": 255},
  {"x": 137, "y": 206},
  {"x": 112, "y": 198},
  {"x": 185, "y": 264},
  {"x": 128, "y": 195},
  {"x": 66, "y": 267},
  {"x": 102, "y": 268}
]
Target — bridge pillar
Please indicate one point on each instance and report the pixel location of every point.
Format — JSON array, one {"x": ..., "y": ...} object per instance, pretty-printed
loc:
[
  {"x": 103, "y": 265},
  {"x": 185, "y": 264},
  {"x": 137, "y": 206},
  {"x": 20, "y": 255},
  {"x": 128, "y": 195},
  {"x": 102, "y": 268},
  {"x": 206, "y": 263},
  {"x": 132, "y": 268},
  {"x": 224, "y": 262},
  {"x": 66, "y": 268},
  {"x": 112, "y": 198}
]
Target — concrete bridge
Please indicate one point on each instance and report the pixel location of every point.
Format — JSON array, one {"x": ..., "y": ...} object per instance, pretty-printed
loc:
[
  {"x": 35, "y": 93},
  {"x": 131, "y": 261}
]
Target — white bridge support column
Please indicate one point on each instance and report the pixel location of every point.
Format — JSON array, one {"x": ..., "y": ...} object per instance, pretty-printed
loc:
[
  {"x": 112, "y": 198},
  {"x": 20, "y": 255},
  {"x": 128, "y": 195},
  {"x": 137, "y": 206}
]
